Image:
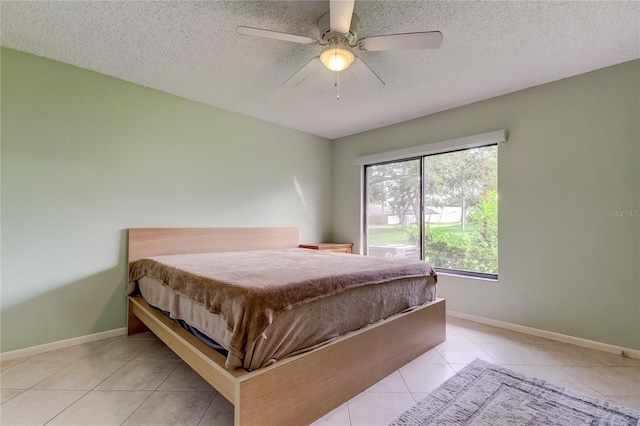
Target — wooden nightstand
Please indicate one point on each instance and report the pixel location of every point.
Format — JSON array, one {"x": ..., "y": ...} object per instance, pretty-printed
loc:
[{"x": 337, "y": 247}]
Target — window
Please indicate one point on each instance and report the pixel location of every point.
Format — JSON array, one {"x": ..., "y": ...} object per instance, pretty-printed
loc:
[{"x": 441, "y": 207}]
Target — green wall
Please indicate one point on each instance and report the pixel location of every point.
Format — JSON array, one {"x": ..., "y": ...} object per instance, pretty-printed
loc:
[
  {"x": 567, "y": 263},
  {"x": 85, "y": 156}
]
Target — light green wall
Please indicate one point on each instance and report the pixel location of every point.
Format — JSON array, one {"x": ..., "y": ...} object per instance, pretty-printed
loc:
[
  {"x": 85, "y": 156},
  {"x": 573, "y": 153}
]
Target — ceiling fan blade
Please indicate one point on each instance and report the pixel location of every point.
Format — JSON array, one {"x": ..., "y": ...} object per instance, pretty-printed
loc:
[
  {"x": 365, "y": 75},
  {"x": 257, "y": 32},
  {"x": 426, "y": 40},
  {"x": 304, "y": 72},
  {"x": 340, "y": 13}
]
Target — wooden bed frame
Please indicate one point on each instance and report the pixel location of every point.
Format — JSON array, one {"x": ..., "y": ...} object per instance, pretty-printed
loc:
[{"x": 300, "y": 389}]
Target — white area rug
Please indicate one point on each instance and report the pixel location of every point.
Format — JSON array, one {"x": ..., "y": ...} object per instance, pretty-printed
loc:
[{"x": 487, "y": 394}]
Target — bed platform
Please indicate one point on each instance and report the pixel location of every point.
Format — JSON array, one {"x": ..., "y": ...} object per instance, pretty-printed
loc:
[{"x": 300, "y": 389}]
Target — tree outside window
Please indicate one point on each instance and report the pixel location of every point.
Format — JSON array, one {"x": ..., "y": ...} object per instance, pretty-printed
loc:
[{"x": 452, "y": 222}]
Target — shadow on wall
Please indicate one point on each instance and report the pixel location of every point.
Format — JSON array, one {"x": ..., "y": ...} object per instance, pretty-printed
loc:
[{"x": 89, "y": 305}]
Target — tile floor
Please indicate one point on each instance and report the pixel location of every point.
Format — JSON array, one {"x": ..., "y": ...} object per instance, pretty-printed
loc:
[{"x": 137, "y": 380}]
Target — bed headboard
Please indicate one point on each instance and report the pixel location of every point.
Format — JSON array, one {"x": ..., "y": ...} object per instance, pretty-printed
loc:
[{"x": 146, "y": 242}]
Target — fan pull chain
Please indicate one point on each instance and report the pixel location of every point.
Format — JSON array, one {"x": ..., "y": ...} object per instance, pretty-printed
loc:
[{"x": 337, "y": 85}]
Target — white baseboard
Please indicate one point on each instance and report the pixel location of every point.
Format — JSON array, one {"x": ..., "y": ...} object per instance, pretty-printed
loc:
[
  {"x": 61, "y": 344},
  {"x": 631, "y": 353}
]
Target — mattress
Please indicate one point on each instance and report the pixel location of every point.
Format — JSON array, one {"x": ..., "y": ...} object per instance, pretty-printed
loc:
[{"x": 265, "y": 305}]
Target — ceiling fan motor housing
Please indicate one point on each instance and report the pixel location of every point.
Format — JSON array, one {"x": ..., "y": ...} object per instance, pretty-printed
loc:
[{"x": 326, "y": 33}]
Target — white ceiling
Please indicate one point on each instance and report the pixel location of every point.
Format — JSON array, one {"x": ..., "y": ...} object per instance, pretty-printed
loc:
[{"x": 191, "y": 49}]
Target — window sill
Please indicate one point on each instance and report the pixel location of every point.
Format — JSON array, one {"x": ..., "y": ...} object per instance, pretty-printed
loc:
[{"x": 463, "y": 275}]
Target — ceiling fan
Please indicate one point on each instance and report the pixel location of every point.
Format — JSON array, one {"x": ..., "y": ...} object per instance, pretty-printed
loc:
[{"x": 339, "y": 33}]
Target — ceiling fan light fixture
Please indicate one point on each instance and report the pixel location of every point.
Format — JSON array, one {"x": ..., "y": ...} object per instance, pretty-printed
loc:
[{"x": 336, "y": 58}]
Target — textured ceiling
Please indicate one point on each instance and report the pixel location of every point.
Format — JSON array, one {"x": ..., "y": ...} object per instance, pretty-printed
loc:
[{"x": 191, "y": 49}]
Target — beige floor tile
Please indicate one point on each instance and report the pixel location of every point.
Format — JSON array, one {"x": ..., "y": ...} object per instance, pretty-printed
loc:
[
  {"x": 29, "y": 373},
  {"x": 158, "y": 350},
  {"x": 458, "y": 337},
  {"x": 82, "y": 375},
  {"x": 391, "y": 383},
  {"x": 172, "y": 408},
  {"x": 219, "y": 413},
  {"x": 100, "y": 408},
  {"x": 147, "y": 335},
  {"x": 489, "y": 336},
  {"x": 431, "y": 357},
  {"x": 457, "y": 346},
  {"x": 6, "y": 364},
  {"x": 125, "y": 350},
  {"x": 458, "y": 367},
  {"x": 611, "y": 360},
  {"x": 7, "y": 394},
  {"x": 453, "y": 328},
  {"x": 609, "y": 381},
  {"x": 632, "y": 402},
  {"x": 456, "y": 334},
  {"x": 486, "y": 334},
  {"x": 462, "y": 352},
  {"x": 372, "y": 409},
  {"x": 184, "y": 378},
  {"x": 419, "y": 396},
  {"x": 337, "y": 417},
  {"x": 421, "y": 377},
  {"x": 459, "y": 323},
  {"x": 563, "y": 354},
  {"x": 465, "y": 357},
  {"x": 148, "y": 365},
  {"x": 36, "y": 407},
  {"x": 140, "y": 375},
  {"x": 75, "y": 353},
  {"x": 516, "y": 354}
]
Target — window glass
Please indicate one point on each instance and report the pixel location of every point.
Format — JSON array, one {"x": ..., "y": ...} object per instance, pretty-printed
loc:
[
  {"x": 442, "y": 208},
  {"x": 461, "y": 210},
  {"x": 393, "y": 209}
]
